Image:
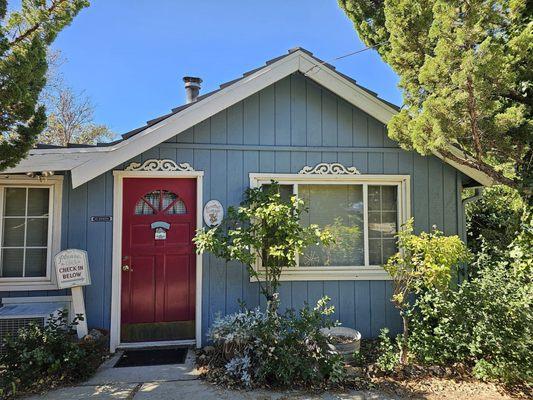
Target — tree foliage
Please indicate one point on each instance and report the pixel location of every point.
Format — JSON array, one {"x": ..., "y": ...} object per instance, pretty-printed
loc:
[
  {"x": 465, "y": 70},
  {"x": 267, "y": 228},
  {"x": 70, "y": 120},
  {"x": 426, "y": 261},
  {"x": 24, "y": 38}
]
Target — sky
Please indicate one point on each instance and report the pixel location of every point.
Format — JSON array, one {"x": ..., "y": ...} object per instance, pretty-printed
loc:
[{"x": 129, "y": 56}]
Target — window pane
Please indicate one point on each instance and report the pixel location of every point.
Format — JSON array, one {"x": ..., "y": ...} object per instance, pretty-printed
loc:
[
  {"x": 338, "y": 208},
  {"x": 37, "y": 234},
  {"x": 38, "y": 201},
  {"x": 285, "y": 191},
  {"x": 374, "y": 247},
  {"x": 35, "y": 262},
  {"x": 389, "y": 248},
  {"x": 13, "y": 232},
  {"x": 12, "y": 263},
  {"x": 168, "y": 197},
  {"x": 374, "y": 198},
  {"x": 177, "y": 208},
  {"x": 389, "y": 221},
  {"x": 154, "y": 199},
  {"x": 374, "y": 224},
  {"x": 382, "y": 223},
  {"x": 388, "y": 198},
  {"x": 15, "y": 202}
]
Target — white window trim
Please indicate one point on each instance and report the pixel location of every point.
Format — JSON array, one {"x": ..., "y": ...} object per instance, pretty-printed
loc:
[
  {"x": 55, "y": 184},
  {"x": 362, "y": 272}
]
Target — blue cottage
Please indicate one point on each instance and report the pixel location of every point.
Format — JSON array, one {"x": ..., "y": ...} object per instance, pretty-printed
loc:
[{"x": 135, "y": 204}]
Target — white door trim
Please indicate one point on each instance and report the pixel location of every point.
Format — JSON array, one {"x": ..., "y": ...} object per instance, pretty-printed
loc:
[{"x": 114, "y": 340}]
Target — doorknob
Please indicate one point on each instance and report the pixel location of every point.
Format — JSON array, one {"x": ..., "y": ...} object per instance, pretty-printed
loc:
[{"x": 126, "y": 268}]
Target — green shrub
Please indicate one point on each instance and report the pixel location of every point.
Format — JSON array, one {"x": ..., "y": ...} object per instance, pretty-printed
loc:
[
  {"x": 426, "y": 262},
  {"x": 493, "y": 221},
  {"x": 270, "y": 349},
  {"x": 39, "y": 358},
  {"x": 487, "y": 323},
  {"x": 389, "y": 356}
]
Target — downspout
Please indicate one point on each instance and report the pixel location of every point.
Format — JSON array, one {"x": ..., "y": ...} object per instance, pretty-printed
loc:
[{"x": 478, "y": 193}]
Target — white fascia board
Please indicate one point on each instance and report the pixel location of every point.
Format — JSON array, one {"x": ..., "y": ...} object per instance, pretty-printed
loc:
[
  {"x": 183, "y": 120},
  {"x": 473, "y": 173},
  {"x": 57, "y": 161},
  {"x": 342, "y": 87},
  {"x": 107, "y": 158}
]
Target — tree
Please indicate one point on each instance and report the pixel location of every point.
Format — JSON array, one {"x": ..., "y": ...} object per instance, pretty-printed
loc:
[
  {"x": 70, "y": 120},
  {"x": 267, "y": 228},
  {"x": 69, "y": 114},
  {"x": 465, "y": 71},
  {"x": 425, "y": 262},
  {"x": 24, "y": 38}
]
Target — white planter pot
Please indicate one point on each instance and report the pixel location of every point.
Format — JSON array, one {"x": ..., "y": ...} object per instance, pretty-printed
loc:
[{"x": 350, "y": 346}]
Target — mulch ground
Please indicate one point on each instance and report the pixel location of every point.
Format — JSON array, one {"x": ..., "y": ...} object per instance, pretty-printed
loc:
[
  {"x": 411, "y": 382},
  {"x": 427, "y": 382}
]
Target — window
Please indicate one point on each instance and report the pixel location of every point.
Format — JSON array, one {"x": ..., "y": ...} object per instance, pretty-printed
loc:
[
  {"x": 363, "y": 212},
  {"x": 160, "y": 200},
  {"x": 27, "y": 224}
]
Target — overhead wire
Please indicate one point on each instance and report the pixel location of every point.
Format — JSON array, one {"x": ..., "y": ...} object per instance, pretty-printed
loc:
[{"x": 344, "y": 56}]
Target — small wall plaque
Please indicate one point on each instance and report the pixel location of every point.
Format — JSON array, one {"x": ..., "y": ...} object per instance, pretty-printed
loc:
[
  {"x": 101, "y": 218},
  {"x": 213, "y": 213}
]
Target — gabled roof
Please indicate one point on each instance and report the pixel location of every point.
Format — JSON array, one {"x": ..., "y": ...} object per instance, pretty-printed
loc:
[{"x": 86, "y": 163}]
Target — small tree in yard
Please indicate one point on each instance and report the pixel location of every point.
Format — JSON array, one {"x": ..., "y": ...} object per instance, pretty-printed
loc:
[
  {"x": 424, "y": 261},
  {"x": 267, "y": 228}
]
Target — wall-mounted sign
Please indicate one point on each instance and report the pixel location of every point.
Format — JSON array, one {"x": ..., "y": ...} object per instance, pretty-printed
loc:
[
  {"x": 72, "y": 268},
  {"x": 101, "y": 218},
  {"x": 213, "y": 213},
  {"x": 160, "y": 229}
]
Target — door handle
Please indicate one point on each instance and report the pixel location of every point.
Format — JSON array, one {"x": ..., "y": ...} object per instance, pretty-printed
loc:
[{"x": 126, "y": 268}]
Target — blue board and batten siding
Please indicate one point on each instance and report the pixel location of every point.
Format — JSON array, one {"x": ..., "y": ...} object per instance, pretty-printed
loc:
[{"x": 281, "y": 129}]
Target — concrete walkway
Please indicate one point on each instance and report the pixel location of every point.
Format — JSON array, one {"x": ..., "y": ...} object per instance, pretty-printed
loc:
[{"x": 179, "y": 381}]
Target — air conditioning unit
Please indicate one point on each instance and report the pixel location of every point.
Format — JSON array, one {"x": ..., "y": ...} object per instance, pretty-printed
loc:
[{"x": 20, "y": 312}]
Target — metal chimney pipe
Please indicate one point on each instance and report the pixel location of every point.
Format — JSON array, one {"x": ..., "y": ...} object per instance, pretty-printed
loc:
[{"x": 192, "y": 88}]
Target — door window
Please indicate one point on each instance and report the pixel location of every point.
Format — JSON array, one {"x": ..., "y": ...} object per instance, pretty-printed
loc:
[{"x": 160, "y": 201}]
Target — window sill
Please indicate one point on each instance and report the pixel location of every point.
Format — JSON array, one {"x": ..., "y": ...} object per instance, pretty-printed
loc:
[
  {"x": 370, "y": 273},
  {"x": 22, "y": 284}
]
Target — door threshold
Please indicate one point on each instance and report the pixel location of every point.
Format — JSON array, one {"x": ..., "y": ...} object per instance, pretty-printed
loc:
[{"x": 160, "y": 343}]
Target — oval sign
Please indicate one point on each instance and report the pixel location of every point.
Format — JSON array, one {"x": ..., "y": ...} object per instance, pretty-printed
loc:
[{"x": 213, "y": 213}]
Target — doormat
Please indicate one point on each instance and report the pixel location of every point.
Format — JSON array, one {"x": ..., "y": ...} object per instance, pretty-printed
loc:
[{"x": 141, "y": 358}]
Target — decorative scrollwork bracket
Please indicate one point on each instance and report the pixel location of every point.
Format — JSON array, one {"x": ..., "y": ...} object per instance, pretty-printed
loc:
[
  {"x": 329, "y": 169},
  {"x": 159, "y": 165}
]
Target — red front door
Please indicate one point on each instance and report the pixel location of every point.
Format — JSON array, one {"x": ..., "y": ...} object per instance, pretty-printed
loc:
[{"x": 158, "y": 259}]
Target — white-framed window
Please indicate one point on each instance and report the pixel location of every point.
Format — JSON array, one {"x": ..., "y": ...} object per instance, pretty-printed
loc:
[
  {"x": 364, "y": 213},
  {"x": 30, "y": 231}
]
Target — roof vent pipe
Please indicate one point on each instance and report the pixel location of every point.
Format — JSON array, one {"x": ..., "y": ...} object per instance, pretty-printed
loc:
[{"x": 192, "y": 88}]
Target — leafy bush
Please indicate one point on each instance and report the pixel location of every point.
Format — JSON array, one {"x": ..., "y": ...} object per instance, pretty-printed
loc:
[
  {"x": 426, "y": 261},
  {"x": 265, "y": 227},
  {"x": 388, "y": 352},
  {"x": 487, "y": 322},
  {"x": 493, "y": 221},
  {"x": 43, "y": 357},
  {"x": 254, "y": 348}
]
